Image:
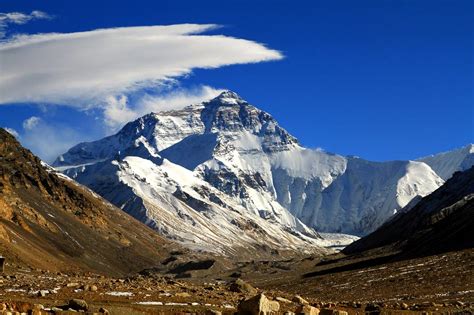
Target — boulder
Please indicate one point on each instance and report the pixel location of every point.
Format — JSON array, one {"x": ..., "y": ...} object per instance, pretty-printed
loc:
[
  {"x": 240, "y": 286},
  {"x": 298, "y": 299},
  {"x": 258, "y": 305},
  {"x": 283, "y": 300},
  {"x": 307, "y": 310}
]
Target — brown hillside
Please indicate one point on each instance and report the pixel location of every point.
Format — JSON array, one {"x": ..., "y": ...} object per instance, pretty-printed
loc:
[{"x": 49, "y": 222}]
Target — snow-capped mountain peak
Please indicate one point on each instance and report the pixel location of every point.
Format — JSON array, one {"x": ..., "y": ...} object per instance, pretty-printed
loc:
[
  {"x": 228, "y": 97},
  {"x": 225, "y": 165}
]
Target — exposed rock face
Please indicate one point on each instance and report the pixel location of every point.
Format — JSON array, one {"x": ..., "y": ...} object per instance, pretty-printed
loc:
[
  {"x": 223, "y": 161},
  {"x": 48, "y": 221}
]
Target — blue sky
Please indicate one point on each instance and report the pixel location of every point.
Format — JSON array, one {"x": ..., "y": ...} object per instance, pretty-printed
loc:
[{"x": 383, "y": 80}]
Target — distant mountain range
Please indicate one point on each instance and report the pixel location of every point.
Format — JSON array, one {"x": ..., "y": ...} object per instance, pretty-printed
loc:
[{"x": 223, "y": 176}]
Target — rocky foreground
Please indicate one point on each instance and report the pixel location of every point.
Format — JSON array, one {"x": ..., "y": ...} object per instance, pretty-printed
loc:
[
  {"x": 50, "y": 293},
  {"x": 424, "y": 285}
]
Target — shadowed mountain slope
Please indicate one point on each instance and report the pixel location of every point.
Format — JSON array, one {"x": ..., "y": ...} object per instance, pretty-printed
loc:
[{"x": 48, "y": 221}]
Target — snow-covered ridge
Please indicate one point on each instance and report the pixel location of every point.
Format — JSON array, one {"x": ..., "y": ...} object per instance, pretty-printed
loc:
[
  {"x": 446, "y": 163},
  {"x": 223, "y": 174}
]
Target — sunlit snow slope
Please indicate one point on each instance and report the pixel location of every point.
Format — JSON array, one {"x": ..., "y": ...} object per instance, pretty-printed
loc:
[{"x": 223, "y": 175}]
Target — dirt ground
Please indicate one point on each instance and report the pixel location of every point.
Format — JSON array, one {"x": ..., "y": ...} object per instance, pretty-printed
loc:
[
  {"x": 434, "y": 284},
  {"x": 445, "y": 278}
]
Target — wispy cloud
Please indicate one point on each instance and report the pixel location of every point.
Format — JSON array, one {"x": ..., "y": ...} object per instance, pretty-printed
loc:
[
  {"x": 48, "y": 140},
  {"x": 120, "y": 109},
  {"x": 84, "y": 69},
  {"x": 31, "y": 123},
  {"x": 19, "y": 18}
]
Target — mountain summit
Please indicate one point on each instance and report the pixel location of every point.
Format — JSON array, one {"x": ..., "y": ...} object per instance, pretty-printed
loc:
[{"x": 224, "y": 174}]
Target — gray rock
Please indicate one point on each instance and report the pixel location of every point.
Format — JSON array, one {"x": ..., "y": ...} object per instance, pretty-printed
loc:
[
  {"x": 283, "y": 300},
  {"x": 258, "y": 305},
  {"x": 307, "y": 310},
  {"x": 240, "y": 286},
  {"x": 298, "y": 299}
]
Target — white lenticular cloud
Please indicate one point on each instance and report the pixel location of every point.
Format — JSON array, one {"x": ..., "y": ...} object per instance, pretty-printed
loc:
[{"x": 84, "y": 69}]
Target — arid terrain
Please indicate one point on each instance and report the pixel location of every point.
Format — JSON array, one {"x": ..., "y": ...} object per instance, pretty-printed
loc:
[{"x": 435, "y": 284}]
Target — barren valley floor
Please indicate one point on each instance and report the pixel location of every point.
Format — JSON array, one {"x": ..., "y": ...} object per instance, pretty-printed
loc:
[{"x": 434, "y": 284}]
